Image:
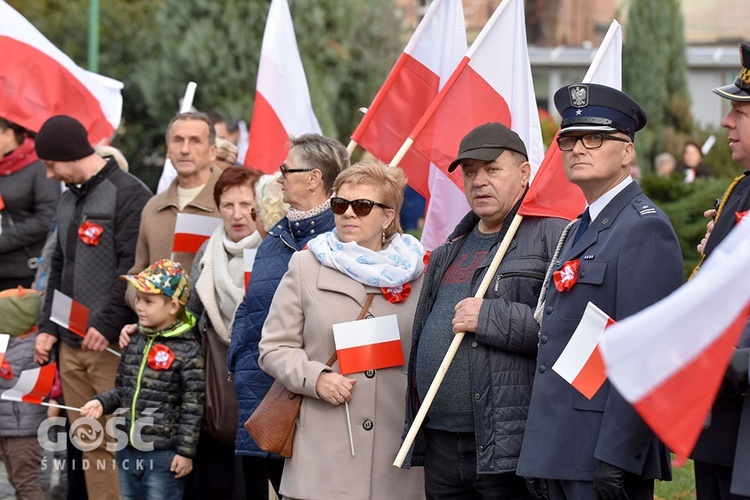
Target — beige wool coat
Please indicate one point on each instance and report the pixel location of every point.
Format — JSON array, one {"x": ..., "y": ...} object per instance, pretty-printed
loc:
[
  {"x": 158, "y": 219},
  {"x": 296, "y": 342}
]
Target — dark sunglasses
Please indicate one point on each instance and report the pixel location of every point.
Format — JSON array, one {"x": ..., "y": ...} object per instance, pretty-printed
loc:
[
  {"x": 361, "y": 208},
  {"x": 285, "y": 170}
]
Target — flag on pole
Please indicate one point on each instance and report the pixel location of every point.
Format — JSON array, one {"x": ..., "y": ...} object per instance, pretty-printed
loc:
[
  {"x": 191, "y": 230},
  {"x": 369, "y": 344},
  {"x": 550, "y": 193},
  {"x": 282, "y": 99},
  {"x": 69, "y": 314},
  {"x": 668, "y": 360},
  {"x": 248, "y": 259},
  {"x": 580, "y": 363},
  {"x": 37, "y": 81},
  {"x": 33, "y": 385},
  {"x": 492, "y": 83},
  {"x": 434, "y": 50}
]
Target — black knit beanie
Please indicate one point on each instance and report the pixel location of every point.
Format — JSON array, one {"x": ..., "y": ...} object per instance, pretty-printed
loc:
[{"x": 63, "y": 138}]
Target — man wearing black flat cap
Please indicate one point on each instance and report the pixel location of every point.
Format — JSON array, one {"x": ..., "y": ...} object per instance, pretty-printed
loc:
[
  {"x": 470, "y": 442},
  {"x": 622, "y": 256},
  {"x": 97, "y": 219},
  {"x": 722, "y": 454}
]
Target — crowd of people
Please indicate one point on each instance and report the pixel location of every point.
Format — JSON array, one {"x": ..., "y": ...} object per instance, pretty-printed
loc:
[{"x": 180, "y": 348}]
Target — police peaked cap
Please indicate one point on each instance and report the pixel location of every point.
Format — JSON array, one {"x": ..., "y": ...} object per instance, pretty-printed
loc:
[
  {"x": 740, "y": 89},
  {"x": 598, "y": 108}
]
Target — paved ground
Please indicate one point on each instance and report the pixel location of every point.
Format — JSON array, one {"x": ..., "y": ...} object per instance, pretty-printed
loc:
[{"x": 6, "y": 490}]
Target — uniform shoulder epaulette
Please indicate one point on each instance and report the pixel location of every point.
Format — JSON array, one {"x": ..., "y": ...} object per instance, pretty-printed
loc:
[{"x": 644, "y": 208}]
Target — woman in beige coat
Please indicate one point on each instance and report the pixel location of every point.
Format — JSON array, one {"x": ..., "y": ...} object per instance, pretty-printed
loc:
[{"x": 328, "y": 285}]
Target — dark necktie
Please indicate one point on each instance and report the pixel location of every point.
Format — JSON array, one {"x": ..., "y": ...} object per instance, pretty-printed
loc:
[{"x": 583, "y": 225}]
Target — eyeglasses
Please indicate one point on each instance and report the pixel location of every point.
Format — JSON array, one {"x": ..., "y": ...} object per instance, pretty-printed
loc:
[
  {"x": 285, "y": 170},
  {"x": 361, "y": 208},
  {"x": 253, "y": 214},
  {"x": 590, "y": 141}
]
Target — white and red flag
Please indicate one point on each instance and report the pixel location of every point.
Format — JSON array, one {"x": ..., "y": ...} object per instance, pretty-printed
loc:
[
  {"x": 492, "y": 83},
  {"x": 433, "y": 52},
  {"x": 69, "y": 314},
  {"x": 38, "y": 80},
  {"x": 191, "y": 230},
  {"x": 369, "y": 344},
  {"x": 550, "y": 193},
  {"x": 580, "y": 363},
  {"x": 282, "y": 99},
  {"x": 248, "y": 259},
  {"x": 33, "y": 385},
  {"x": 669, "y": 359}
]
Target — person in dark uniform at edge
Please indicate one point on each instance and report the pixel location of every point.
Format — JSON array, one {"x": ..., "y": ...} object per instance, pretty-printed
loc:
[{"x": 724, "y": 445}]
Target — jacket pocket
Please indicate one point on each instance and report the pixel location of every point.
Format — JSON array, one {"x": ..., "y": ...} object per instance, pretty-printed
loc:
[{"x": 591, "y": 272}]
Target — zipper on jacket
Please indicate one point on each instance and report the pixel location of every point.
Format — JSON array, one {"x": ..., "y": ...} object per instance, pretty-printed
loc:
[
  {"x": 517, "y": 274},
  {"x": 138, "y": 386}
]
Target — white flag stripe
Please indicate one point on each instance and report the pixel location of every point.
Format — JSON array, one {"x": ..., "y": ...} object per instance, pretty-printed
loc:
[
  {"x": 281, "y": 76},
  {"x": 713, "y": 310},
  {"x": 513, "y": 83},
  {"x": 582, "y": 343},
  {"x": 105, "y": 90},
  {"x": 196, "y": 224},
  {"x": 25, "y": 384},
  {"x": 248, "y": 258},
  {"x": 366, "y": 332},
  {"x": 61, "y": 307},
  {"x": 606, "y": 68},
  {"x": 4, "y": 339}
]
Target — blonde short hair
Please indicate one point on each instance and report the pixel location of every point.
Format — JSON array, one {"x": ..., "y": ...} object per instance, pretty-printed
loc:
[
  {"x": 390, "y": 183},
  {"x": 269, "y": 200}
]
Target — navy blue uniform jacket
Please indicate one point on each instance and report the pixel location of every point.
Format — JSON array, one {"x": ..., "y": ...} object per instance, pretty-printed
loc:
[{"x": 629, "y": 259}]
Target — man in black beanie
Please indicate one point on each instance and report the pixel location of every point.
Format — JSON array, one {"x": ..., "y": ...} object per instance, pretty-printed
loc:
[{"x": 98, "y": 219}]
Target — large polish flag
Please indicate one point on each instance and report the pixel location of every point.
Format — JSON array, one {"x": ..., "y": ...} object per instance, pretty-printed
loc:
[
  {"x": 551, "y": 194},
  {"x": 433, "y": 52},
  {"x": 668, "y": 360},
  {"x": 369, "y": 344},
  {"x": 69, "y": 314},
  {"x": 282, "y": 97},
  {"x": 580, "y": 363},
  {"x": 37, "y": 81},
  {"x": 33, "y": 385},
  {"x": 191, "y": 230},
  {"x": 492, "y": 83}
]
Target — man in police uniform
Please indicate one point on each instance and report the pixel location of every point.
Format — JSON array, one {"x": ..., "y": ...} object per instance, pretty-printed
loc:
[
  {"x": 724, "y": 445},
  {"x": 623, "y": 256}
]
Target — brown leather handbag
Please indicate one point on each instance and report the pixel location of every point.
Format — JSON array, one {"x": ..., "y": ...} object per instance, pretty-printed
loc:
[
  {"x": 274, "y": 421},
  {"x": 220, "y": 409}
]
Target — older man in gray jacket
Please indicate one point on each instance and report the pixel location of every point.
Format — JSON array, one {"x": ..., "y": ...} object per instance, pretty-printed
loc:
[{"x": 474, "y": 428}]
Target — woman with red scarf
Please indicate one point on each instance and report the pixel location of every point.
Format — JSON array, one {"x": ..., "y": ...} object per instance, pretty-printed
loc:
[{"x": 28, "y": 201}]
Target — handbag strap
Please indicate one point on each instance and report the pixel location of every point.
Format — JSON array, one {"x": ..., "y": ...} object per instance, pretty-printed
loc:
[{"x": 362, "y": 315}]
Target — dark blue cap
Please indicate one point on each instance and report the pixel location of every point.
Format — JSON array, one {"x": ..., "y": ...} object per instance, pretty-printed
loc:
[{"x": 598, "y": 108}]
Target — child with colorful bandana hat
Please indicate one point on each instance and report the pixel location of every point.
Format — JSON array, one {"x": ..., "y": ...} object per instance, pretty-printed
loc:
[{"x": 161, "y": 383}]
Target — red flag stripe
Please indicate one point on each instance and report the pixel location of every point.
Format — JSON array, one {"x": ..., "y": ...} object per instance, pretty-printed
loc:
[
  {"x": 43, "y": 385},
  {"x": 269, "y": 141},
  {"x": 79, "y": 318},
  {"x": 592, "y": 375},
  {"x": 471, "y": 102},
  {"x": 189, "y": 243},
  {"x": 30, "y": 101},
  {"x": 371, "y": 357},
  {"x": 677, "y": 408}
]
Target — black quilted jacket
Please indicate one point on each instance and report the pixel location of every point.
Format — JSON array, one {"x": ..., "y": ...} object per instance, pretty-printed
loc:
[{"x": 161, "y": 382}]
